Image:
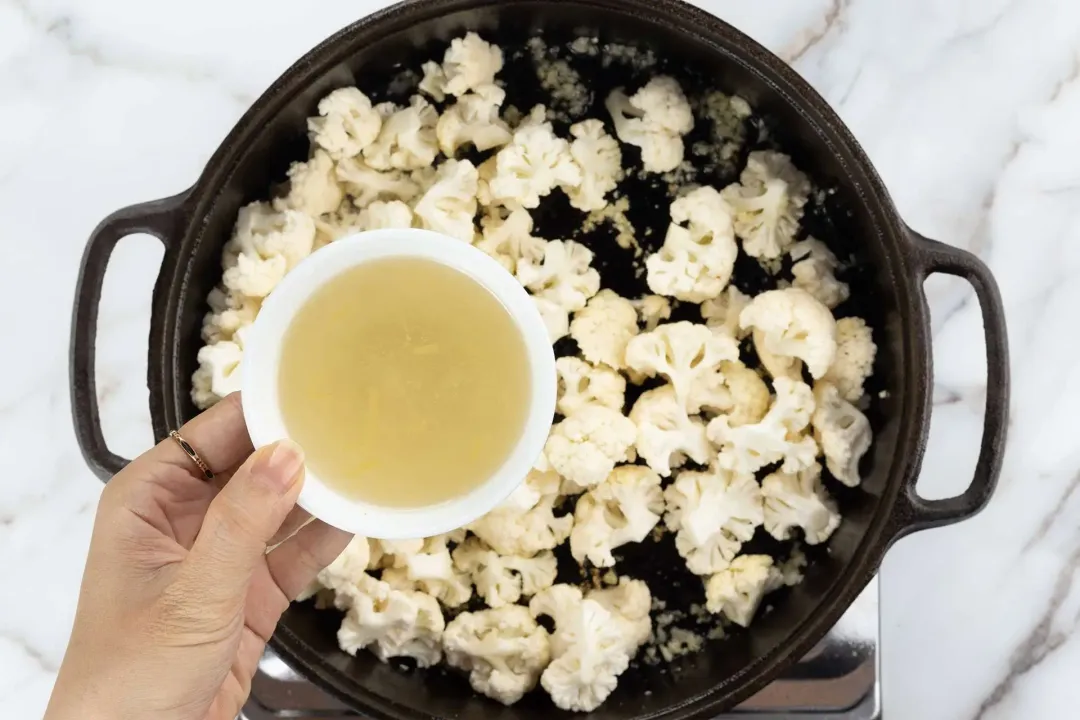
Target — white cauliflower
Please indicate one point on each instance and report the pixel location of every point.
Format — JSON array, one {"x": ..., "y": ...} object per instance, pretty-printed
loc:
[
  {"x": 815, "y": 272},
  {"x": 653, "y": 309},
  {"x": 792, "y": 323},
  {"x": 556, "y": 318},
  {"x": 604, "y": 327},
  {"x": 474, "y": 120},
  {"x": 737, "y": 590},
  {"x": 313, "y": 186},
  {"x": 349, "y": 568},
  {"x": 778, "y": 437},
  {"x": 855, "y": 354},
  {"x": 768, "y": 204},
  {"x": 600, "y": 160},
  {"x": 723, "y": 311},
  {"x": 504, "y": 579},
  {"x": 365, "y": 184},
  {"x": 469, "y": 63},
  {"x": 585, "y": 447},
  {"x": 682, "y": 352},
  {"x": 799, "y": 500},
  {"x": 449, "y": 205},
  {"x": 255, "y": 276},
  {"x": 712, "y": 513},
  {"x": 229, "y": 311},
  {"x": 748, "y": 395},
  {"x": 407, "y": 139},
  {"x": 503, "y": 650},
  {"x": 532, "y": 165},
  {"x": 581, "y": 383},
  {"x": 666, "y": 435},
  {"x": 629, "y": 601},
  {"x": 432, "y": 571},
  {"x": 696, "y": 261},
  {"x": 565, "y": 277},
  {"x": 509, "y": 238},
  {"x": 513, "y": 531},
  {"x": 381, "y": 215},
  {"x": 392, "y": 623},
  {"x": 654, "y": 119},
  {"x": 843, "y": 432},
  {"x": 221, "y": 362},
  {"x": 264, "y": 246},
  {"x": 530, "y": 493},
  {"x": 622, "y": 509},
  {"x": 591, "y": 646},
  {"x": 347, "y": 123}
]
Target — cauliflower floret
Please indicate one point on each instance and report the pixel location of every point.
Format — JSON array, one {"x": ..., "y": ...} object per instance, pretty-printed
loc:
[
  {"x": 511, "y": 531},
  {"x": 592, "y": 644},
  {"x": 585, "y": 447},
  {"x": 532, "y": 165},
  {"x": 653, "y": 309},
  {"x": 433, "y": 84},
  {"x": 603, "y": 329},
  {"x": 313, "y": 187},
  {"x": 777, "y": 438},
  {"x": 799, "y": 500},
  {"x": 843, "y": 432},
  {"x": 474, "y": 119},
  {"x": 737, "y": 590},
  {"x": 392, "y": 623},
  {"x": 600, "y": 160},
  {"x": 629, "y": 601},
  {"x": 768, "y": 204},
  {"x": 666, "y": 435},
  {"x": 815, "y": 272},
  {"x": 503, "y": 650},
  {"x": 654, "y": 119},
  {"x": 529, "y": 494},
  {"x": 349, "y": 568},
  {"x": 712, "y": 513},
  {"x": 696, "y": 261},
  {"x": 792, "y": 323},
  {"x": 723, "y": 311},
  {"x": 407, "y": 139},
  {"x": 749, "y": 395},
  {"x": 366, "y": 184},
  {"x": 622, "y": 509},
  {"x": 855, "y": 353},
  {"x": 431, "y": 571},
  {"x": 229, "y": 311},
  {"x": 509, "y": 239},
  {"x": 221, "y": 361},
  {"x": 581, "y": 383},
  {"x": 503, "y": 579},
  {"x": 556, "y": 318},
  {"x": 347, "y": 123},
  {"x": 565, "y": 276},
  {"x": 682, "y": 352},
  {"x": 469, "y": 63},
  {"x": 449, "y": 205},
  {"x": 381, "y": 215},
  {"x": 264, "y": 246}
]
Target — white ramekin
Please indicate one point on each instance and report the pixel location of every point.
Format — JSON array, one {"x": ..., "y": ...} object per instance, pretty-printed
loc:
[{"x": 262, "y": 356}]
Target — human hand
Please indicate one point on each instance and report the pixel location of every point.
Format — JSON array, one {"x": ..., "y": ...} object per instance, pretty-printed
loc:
[{"x": 180, "y": 595}]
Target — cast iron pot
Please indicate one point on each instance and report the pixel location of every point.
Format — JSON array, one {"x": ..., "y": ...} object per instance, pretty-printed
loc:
[{"x": 194, "y": 225}]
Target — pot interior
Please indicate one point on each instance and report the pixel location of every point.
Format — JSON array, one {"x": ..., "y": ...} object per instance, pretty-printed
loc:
[{"x": 850, "y": 213}]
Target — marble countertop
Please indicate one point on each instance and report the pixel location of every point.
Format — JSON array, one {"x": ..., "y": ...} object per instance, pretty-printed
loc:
[{"x": 970, "y": 111}]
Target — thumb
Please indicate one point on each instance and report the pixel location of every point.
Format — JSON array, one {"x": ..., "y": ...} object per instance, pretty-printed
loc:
[{"x": 243, "y": 519}]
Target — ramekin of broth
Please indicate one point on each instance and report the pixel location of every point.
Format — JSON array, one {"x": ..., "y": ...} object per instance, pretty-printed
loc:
[{"x": 416, "y": 373}]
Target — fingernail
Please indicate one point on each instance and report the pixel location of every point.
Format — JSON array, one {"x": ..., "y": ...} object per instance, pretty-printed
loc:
[{"x": 282, "y": 468}]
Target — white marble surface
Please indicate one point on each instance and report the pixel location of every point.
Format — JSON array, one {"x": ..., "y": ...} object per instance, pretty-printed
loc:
[{"x": 969, "y": 109}]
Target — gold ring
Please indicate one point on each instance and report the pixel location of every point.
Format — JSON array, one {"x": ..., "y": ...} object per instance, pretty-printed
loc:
[{"x": 195, "y": 457}]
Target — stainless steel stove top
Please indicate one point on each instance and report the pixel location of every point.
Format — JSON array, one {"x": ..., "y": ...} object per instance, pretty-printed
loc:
[{"x": 840, "y": 679}]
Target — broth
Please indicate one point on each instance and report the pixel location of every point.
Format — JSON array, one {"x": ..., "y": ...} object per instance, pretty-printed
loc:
[{"x": 405, "y": 381}]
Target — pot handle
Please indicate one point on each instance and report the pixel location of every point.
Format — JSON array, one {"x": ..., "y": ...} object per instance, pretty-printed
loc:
[
  {"x": 931, "y": 256},
  {"x": 160, "y": 218}
]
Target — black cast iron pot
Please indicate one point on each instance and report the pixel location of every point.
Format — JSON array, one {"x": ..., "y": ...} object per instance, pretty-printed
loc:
[{"x": 857, "y": 218}]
